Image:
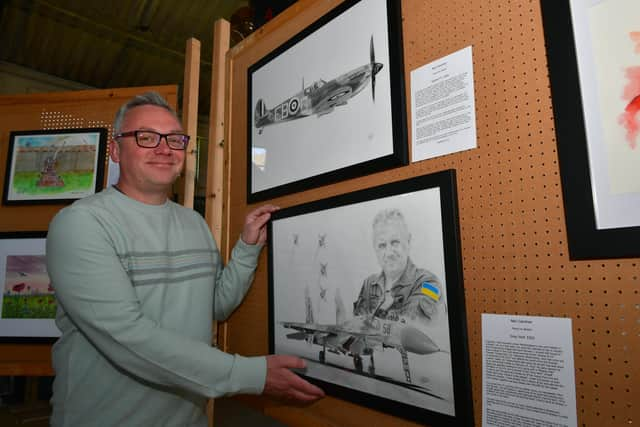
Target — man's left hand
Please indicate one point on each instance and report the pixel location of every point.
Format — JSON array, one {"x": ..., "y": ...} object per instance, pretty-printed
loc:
[{"x": 255, "y": 230}]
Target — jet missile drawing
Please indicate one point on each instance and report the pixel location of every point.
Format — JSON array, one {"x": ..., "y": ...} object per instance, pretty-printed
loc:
[
  {"x": 360, "y": 336},
  {"x": 321, "y": 97}
]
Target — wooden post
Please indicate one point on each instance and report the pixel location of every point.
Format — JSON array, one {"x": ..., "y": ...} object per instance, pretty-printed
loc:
[
  {"x": 190, "y": 117},
  {"x": 215, "y": 161},
  {"x": 215, "y": 155}
]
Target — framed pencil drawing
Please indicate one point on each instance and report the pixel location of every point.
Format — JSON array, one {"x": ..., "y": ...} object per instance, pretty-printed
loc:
[
  {"x": 593, "y": 49},
  {"x": 54, "y": 166},
  {"x": 328, "y": 104},
  {"x": 27, "y": 302},
  {"x": 367, "y": 287}
]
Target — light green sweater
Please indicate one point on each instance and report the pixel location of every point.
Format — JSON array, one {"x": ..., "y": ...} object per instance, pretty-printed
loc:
[{"x": 138, "y": 287}]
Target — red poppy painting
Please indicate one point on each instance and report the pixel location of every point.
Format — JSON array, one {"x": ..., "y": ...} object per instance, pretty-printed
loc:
[
  {"x": 27, "y": 290},
  {"x": 27, "y": 298}
]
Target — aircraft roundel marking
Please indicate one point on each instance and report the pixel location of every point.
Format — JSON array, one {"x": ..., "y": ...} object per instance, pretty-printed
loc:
[{"x": 294, "y": 105}]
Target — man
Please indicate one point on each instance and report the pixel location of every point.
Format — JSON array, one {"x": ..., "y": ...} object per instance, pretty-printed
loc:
[
  {"x": 139, "y": 279},
  {"x": 401, "y": 291}
]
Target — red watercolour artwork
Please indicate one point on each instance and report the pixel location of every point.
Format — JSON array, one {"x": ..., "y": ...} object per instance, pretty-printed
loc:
[{"x": 630, "y": 118}]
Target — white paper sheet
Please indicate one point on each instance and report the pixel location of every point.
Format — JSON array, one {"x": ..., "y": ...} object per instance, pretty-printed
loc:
[
  {"x": 527, "y": 371},
  {"x": 443, "y": 115}
]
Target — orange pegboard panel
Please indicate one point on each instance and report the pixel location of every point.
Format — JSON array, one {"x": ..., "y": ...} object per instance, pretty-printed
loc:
[{"x": 513, "y": 233}]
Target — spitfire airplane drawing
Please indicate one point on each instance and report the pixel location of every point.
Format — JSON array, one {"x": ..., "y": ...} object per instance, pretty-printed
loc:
[
  {"x": 360, "y": 336},
  {"x": 321, "y": 97}
]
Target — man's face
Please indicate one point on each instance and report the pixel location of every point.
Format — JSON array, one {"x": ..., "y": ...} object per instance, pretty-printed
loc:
[
  {"x": 391, "y": 244},
  {"x": 148, "y": 169}
]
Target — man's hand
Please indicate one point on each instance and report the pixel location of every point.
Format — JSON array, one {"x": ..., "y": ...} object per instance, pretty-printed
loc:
[
  {"x": 283, "y": 384},
  {"x": 255, "y": 230}
]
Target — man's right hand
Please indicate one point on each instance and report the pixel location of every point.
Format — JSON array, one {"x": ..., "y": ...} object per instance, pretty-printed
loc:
[{"x": 283, "y": 384}]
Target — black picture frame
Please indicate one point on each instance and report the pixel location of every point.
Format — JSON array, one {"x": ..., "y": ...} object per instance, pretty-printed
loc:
[
  {"x": 318, "y": 128},
  {"x": 27, "y": 300},
  {"x": 317, "y": 264},
  {"x": 54, "y": 166},
  {"x": 575, "y": 107}
]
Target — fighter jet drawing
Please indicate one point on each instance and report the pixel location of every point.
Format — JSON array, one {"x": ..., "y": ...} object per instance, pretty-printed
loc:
[
  {"x": 360, "y": 336},
  {"x": 321, "y": 97}
]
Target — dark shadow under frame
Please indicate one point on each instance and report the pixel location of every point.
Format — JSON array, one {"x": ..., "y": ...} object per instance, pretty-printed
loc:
[
  {"x": 446, "y": 182},
  {"x": 585, "y": 240}
]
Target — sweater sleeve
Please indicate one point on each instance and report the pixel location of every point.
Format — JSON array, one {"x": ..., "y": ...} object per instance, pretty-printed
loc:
[
  {"x": 99, "y": 300},
  {"x": 233, "y": 281}
]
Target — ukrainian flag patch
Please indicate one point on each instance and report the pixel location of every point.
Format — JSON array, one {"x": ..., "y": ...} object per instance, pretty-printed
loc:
[{"x": 431, "y": 291}]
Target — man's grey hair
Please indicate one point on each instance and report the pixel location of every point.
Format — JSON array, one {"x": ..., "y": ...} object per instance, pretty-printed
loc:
[
  {"x": 388, "y": 215},
  {"x": 147, "y": 98}
]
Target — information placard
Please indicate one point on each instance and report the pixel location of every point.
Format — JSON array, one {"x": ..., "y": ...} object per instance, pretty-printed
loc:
[{"x": 527, "y": 371}]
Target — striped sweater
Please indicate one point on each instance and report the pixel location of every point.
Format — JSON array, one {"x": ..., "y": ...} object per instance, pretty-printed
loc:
[{"x": 138, "y": 287}]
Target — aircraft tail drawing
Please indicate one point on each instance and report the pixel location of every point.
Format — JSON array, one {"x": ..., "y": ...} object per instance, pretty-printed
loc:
[
  {"x": 341, "y": 312},
  {"x": 260, "y": 111},
  {"x": 308, "y": 307}
]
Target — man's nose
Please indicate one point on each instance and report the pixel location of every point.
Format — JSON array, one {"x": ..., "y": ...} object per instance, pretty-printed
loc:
[{"x": 163, "y": 148}]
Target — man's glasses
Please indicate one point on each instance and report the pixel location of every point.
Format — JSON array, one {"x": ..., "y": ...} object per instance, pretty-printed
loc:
[{"x": 151, "y": 139}]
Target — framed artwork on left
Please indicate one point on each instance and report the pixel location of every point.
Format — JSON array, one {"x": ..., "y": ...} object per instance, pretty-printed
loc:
[
  {"x": 54, "y": 166},
  {"x": 27, "y": 302}
]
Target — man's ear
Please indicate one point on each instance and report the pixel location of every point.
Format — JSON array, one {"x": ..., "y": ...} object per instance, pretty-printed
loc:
[{"x": 114, "y": 151}]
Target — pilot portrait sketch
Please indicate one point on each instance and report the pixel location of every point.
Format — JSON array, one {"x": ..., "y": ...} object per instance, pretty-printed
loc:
[
  {"x": 359, "y": 291},
  {"x": 401, "y": 290}
]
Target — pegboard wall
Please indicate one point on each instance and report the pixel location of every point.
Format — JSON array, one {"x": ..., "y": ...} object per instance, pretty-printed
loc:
[
  {"x": 60, "y": 110},
  {"x": 514, "y": 241}
]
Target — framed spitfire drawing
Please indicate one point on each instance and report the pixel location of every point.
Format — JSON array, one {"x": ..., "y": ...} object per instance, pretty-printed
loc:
[
  {"x": 367, "y": 287},
  {"x": 328, "y": 104},
  {"x": 54, "y": 166},
  {"x": 27, "y": 303}
]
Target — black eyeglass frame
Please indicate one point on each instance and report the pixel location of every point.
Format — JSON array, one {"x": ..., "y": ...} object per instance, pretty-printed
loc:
[{"x": 135, "y": 133}]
